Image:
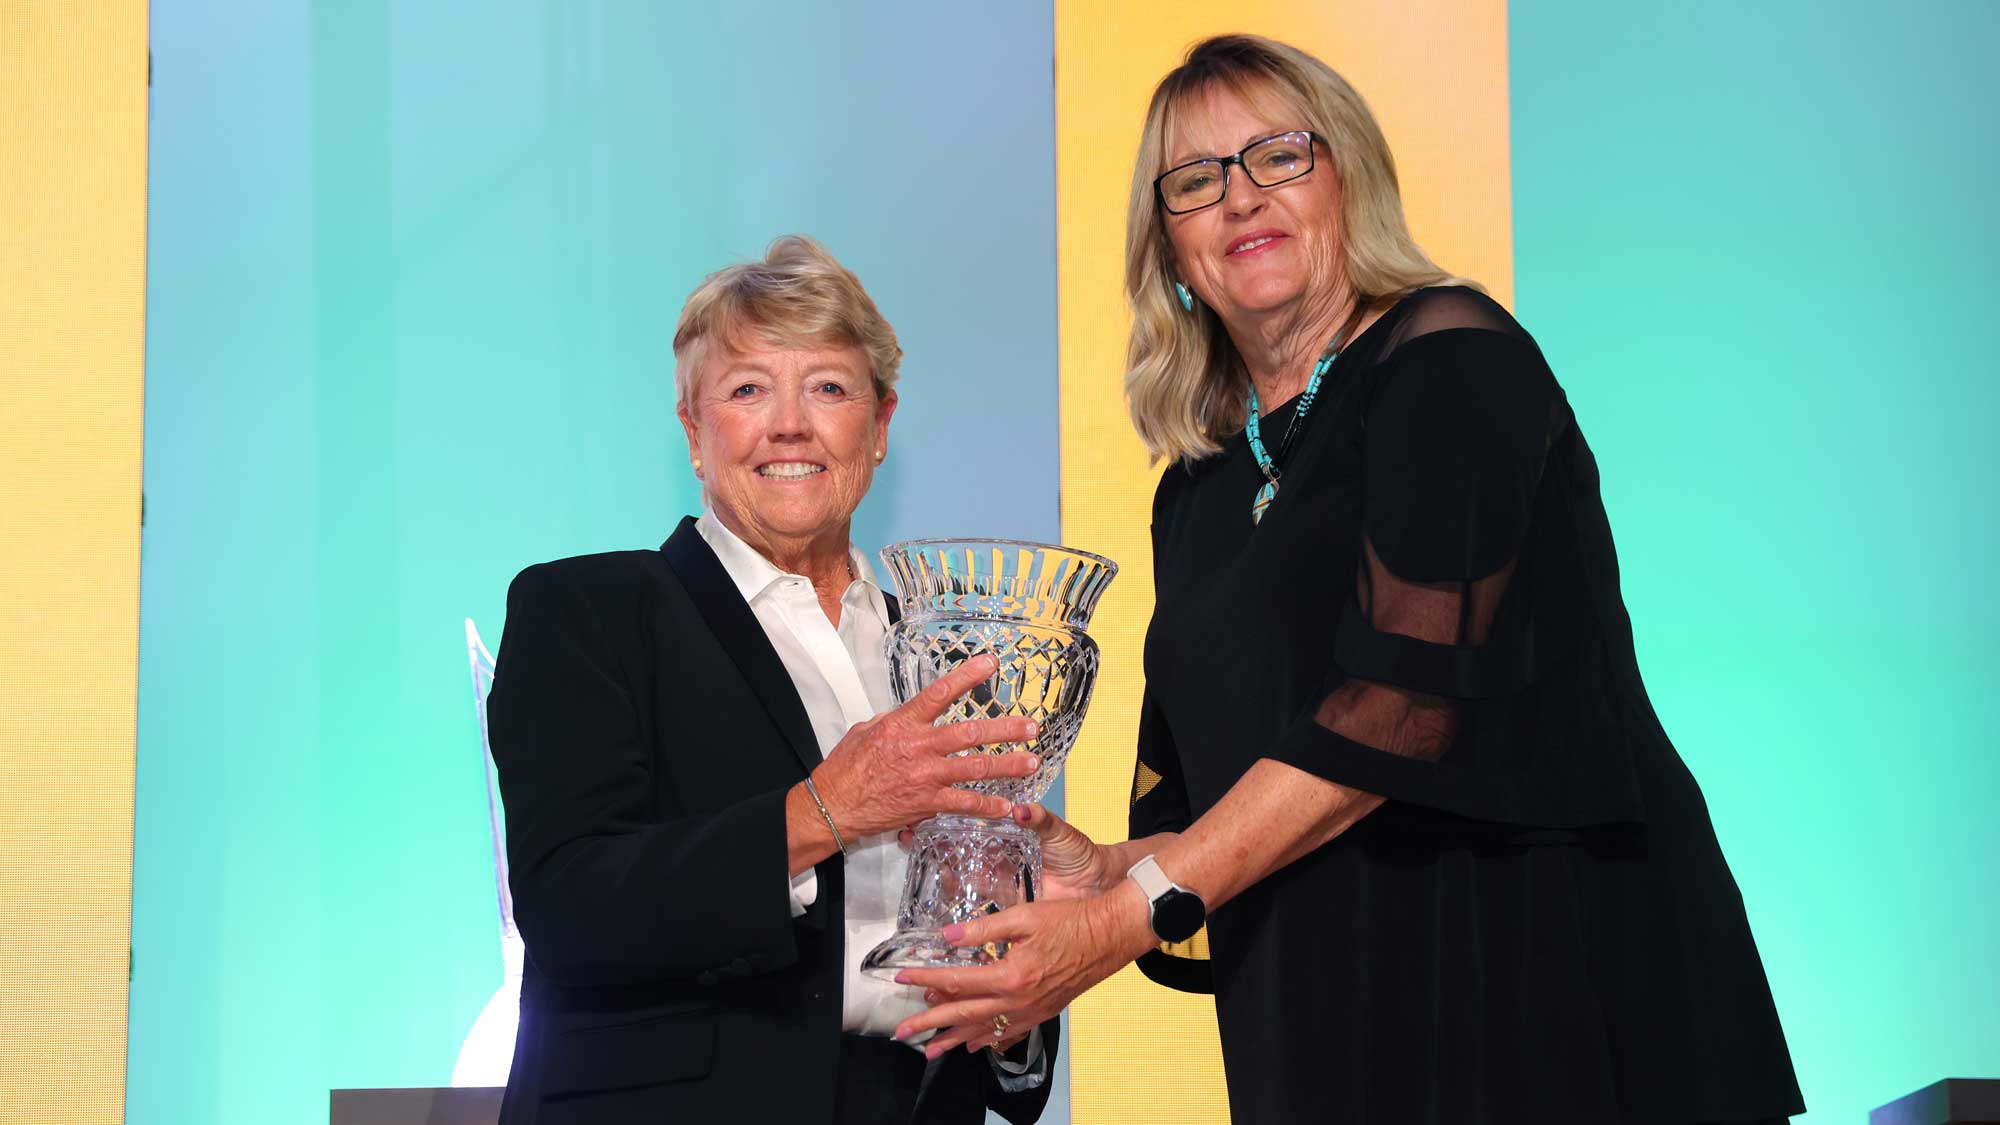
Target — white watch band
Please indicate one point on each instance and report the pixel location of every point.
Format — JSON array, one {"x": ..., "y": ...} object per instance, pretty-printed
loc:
[{"x": 1152, "y": 881}]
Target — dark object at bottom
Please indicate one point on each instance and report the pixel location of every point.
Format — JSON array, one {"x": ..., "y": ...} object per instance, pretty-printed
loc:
[
  {"x": 1954, "y": 1101},
  {"x": 443, "y": 1105}
]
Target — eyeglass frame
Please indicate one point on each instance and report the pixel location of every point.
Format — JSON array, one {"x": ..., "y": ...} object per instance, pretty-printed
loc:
[{"x": 1312, "y": 161}]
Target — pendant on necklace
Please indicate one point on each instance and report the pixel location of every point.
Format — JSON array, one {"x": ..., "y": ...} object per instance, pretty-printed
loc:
[{"x": 1264, "y": 497}]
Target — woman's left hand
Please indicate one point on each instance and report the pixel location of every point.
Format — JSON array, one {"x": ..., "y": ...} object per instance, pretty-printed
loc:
[{"x": 1057, "y": 950}]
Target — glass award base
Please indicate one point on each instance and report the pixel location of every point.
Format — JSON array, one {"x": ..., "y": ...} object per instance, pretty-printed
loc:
[{"x": 961, "y": 868}]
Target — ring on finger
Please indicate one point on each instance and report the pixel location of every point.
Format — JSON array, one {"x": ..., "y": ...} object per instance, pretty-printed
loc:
[{"x": 1000, "y": 1023}]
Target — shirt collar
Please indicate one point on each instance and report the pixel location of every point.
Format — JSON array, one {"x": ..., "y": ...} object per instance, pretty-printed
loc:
[{"x": 754, "y": 574}]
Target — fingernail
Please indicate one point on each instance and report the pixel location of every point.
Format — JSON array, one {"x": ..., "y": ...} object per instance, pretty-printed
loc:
[
  {"x": 1034, "y": 762},
  {"x": 932, "y": 1052},
  {"x": 952, "y": 934},
  {"x": 1034, "y": 729},
  {"x": 903, "y": 978}
]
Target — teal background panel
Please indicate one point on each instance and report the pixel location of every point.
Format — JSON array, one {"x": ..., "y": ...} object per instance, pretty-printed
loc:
[
  {"x": 1756, "y": 242},
  {"x": 413, "y": 277}
]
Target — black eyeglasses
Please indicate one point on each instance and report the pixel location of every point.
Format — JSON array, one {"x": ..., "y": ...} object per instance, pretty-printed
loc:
[{"x": 1268, "y": 163}]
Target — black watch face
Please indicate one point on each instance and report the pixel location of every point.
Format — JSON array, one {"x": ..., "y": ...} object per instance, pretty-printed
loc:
[{"x": 1178, "y": 915}]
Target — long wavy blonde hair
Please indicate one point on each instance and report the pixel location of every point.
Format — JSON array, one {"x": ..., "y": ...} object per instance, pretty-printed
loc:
[{"x": 1184, "y": 381}]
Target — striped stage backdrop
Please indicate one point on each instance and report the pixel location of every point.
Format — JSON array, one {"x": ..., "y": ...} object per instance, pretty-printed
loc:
[
  {"x": 72, "y": 339},
  {"x": 369, "y": 252}
]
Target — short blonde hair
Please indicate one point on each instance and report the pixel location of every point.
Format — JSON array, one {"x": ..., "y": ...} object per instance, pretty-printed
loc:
[
  {"x": 798, "y": 295},
  {"x": 1184, "y": 381}
]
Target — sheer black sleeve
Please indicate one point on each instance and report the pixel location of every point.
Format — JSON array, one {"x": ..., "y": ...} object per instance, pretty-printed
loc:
[{"x": 1440, "y": 651}]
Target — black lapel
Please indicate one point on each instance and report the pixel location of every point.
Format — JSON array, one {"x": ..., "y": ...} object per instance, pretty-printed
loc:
[{"x": 730, "y": 619}]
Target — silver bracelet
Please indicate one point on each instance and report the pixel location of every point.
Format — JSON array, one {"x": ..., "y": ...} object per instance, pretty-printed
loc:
[{"x": 813, "y": 791}]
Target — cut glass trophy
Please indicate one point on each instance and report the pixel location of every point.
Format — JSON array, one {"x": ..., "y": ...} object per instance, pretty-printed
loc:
[{"x": 1028, "y": 604}]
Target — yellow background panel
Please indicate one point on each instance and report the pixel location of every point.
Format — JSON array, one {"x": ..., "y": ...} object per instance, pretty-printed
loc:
[
  {"x": 1436, "y": 76},
  {"x": 72, "y": 301}
]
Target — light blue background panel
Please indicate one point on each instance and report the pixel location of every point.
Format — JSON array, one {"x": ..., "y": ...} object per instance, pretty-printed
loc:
[{"x": 1756, "y": 242}]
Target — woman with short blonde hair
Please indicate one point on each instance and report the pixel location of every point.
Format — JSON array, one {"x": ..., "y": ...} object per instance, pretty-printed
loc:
[
  {"x": 1394, "y": 748},
  {"x": 796, "y": 294},
  {"x": 705, "y": 769}
]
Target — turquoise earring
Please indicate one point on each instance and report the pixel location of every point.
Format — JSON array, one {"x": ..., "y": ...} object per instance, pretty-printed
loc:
[{"x": 1187, "y": 298}]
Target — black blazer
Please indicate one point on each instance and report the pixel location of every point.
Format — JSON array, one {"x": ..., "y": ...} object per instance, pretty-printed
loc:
[{"x": 645, "y": 733}]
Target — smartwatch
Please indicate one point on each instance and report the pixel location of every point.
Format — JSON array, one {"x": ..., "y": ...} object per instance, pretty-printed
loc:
[{"x": 1178, "y": 913}]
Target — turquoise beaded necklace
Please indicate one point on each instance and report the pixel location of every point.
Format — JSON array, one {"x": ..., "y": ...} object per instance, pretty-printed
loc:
[{"x": 1269, "y": 491}]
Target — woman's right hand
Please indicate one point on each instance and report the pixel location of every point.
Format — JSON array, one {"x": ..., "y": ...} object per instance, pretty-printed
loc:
[
  {"x": 896, "y": 768},
  {"x": 1073, "y": 865}
]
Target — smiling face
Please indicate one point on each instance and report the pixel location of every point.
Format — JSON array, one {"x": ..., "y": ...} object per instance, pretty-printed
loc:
[
  {"x": 786, "y": 441},
  {"x": 1260, "y": 250}
]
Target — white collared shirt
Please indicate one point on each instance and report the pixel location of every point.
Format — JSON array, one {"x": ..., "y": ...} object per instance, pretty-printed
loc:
[{"x": 842, "y": 676}]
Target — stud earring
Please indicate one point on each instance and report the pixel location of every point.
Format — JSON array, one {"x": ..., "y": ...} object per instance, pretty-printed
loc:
[
  {"x": 697, "y": 466},
  {"x": 879, "y": 454},
  {"x": 1187, "y": 298}
]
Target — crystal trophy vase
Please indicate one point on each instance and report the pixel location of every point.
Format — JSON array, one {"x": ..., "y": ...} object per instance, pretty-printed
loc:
[{"x": 1028, "y": 605}]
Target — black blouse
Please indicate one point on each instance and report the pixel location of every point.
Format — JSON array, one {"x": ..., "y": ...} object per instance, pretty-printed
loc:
[{"x": 1537, "y": 924}]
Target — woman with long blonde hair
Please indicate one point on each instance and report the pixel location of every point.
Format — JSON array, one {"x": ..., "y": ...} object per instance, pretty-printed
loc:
[{"x": 1395, "y": 751}]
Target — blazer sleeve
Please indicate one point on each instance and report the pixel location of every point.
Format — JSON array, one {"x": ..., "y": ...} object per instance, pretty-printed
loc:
[
  {"x": 606, "y": 891},
  {"x": 1024, "y": 1105}
]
